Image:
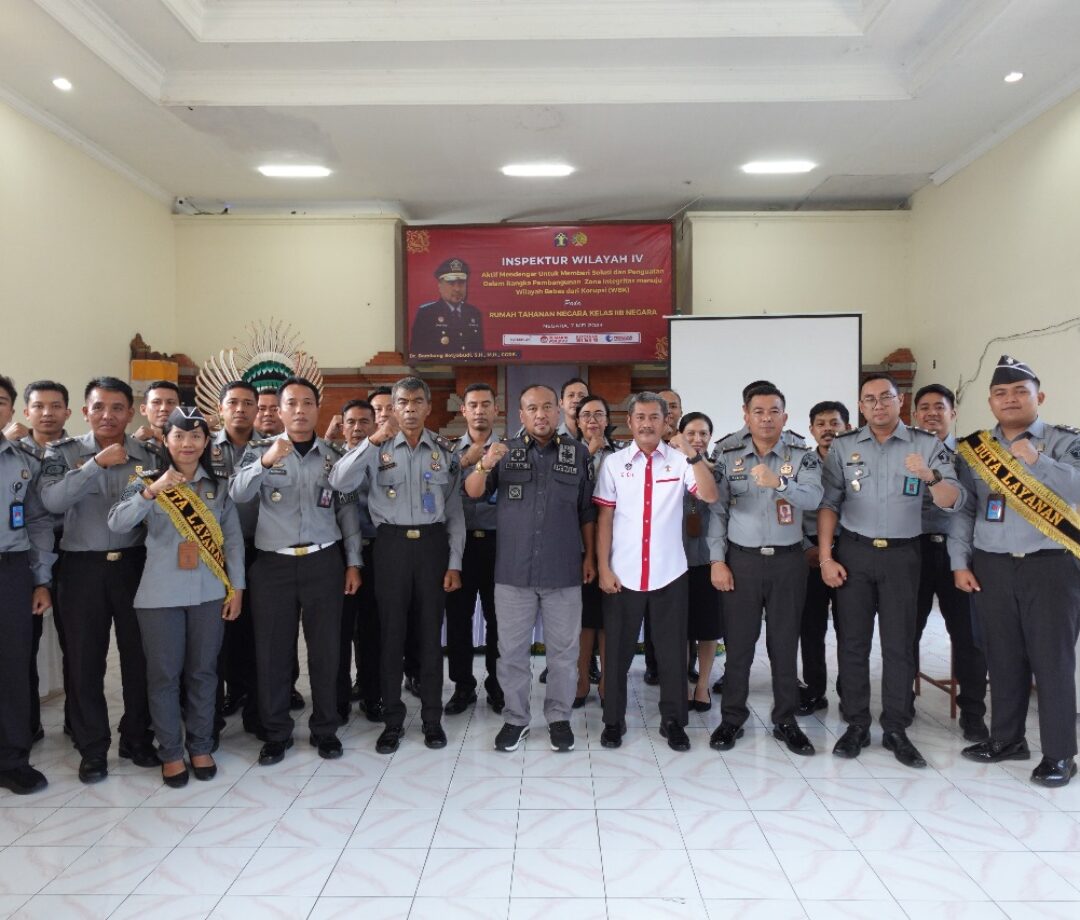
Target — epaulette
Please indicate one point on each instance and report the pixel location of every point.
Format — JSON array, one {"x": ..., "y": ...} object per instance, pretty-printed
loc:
[
  {"x": 922, "y": 430},
  {"x": 61, "y": 442},
  {"x": 36, "y": 452},
  {"x": 340, "y": 451},
  {"x": 445, "y": 443},
  {"x": 262, "y": 442},
  {"x": 799, "y": 440},
  {"x": 1066, "y": 428},
  {"x": 846, "y": 434},
  {"x": 734, "y": 447}
]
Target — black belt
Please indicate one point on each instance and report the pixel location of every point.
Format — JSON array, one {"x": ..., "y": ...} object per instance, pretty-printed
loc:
[
  {"x": 1038, "y": 552},
  {"x": 765, "y": 550},
  {"x": 14, "y": 555},
  {"x": 879, "y": 542},
  {"x": 112, "y": 555},
  {"x": 411, "y": 531}
]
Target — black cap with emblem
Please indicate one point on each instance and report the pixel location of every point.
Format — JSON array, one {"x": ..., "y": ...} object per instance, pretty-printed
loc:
[
  {"x": 452, "y": 270},
  {"x": 1009, "y": 370}
]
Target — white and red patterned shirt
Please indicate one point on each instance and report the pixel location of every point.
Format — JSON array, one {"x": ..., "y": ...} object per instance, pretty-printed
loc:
[{"x": 647, "y": 495}]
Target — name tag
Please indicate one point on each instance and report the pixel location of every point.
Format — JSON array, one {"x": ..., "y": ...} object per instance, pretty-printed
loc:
[
  {"x": 187, "y": 555},
  {"x": 278, "y": 471},
  {"x": 325, "y": 498},
  {"x": 912, "y": 485},
  {"x": 16, "y": 516},
  {"x": 516, "y": 465},
  {"x": 995, "y": 508},
  {"x": 565, "y": 468}
]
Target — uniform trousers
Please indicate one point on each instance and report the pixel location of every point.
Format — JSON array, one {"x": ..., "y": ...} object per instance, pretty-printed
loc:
[
  {"x": 477, "y": 579},
  {"x": 237, "y": 660},
  {"x": 560, "y": 609},
  {"x": 286, "y": 591},
  {"x": 776, "y": 583},
  {"x": 936, "y": 578},
  {"x": 16, "y": 638},
  {"x": 815, "y": 624},
  {"x": 360, "y": 628},
  {"x": 95, "y": 595},
  {"x": 411, "y": 572},
  {"x": 182, "y": 642},
  {"x": 1030, "y": 613},
  {"x": 882, "y": 582},
  {"x": 623, "y": 613}
]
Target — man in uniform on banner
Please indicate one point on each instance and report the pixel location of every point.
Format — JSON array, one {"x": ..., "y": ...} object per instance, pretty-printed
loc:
[
  {"x": 450, "y": 325},
  {"x": 1016, "y": 543}
]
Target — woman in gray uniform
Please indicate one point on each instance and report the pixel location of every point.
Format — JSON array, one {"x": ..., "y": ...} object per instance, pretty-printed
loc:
[{"x": 192, "y": 582}]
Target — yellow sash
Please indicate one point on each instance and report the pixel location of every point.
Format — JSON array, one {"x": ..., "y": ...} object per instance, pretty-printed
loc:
[{"x": 1042, "y": 508}]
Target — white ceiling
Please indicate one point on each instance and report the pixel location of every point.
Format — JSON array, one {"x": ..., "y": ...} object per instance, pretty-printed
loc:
[{"x": 415, "y": 104}]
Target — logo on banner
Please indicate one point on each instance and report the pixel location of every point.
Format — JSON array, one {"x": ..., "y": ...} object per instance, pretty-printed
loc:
[
  {"x": 561, "y": 239},
  {"x": 579, "y": 239},
  {"x": 619, "y": 337}
]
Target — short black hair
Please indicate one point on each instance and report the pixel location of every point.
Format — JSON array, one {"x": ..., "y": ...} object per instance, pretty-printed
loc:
[
  {"x": 42, "y": 386},
  {"x": 938, "y": 388},
  {"x": 298, "y": 382},
  {"x": 380, "y": 391},
  {"x": 478, "y": 388},
  {"x": 162, "y": 385},
  {"x": 112, "y": 384},
  {"x": 830, "y": 405},
  {"x": 537, "y": 386},
  {"x": 762, "y": 389},
  {"x": 237, "y": 385},
  {"x": 8, "y": 385},
  {"x": 694, "y": 417},
  {"x": 879, "y": 375},
  {"x": 357, "y": 404},
  {"x": 752, "y": 385},
  {"x": 566, "y": 383}
]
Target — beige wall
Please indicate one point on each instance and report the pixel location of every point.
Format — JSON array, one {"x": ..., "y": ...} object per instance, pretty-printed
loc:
[
  {"x": 86, "y": 261},
  {"x": 333, "y": 280},
  {"x": 996, "y": 252}
]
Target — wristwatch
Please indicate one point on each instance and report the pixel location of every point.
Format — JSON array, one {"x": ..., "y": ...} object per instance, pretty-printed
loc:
[
  {"x": 697, "y": 458},
  {"x": 480, "y": 467},
  {"x": 937, "y": 478}
]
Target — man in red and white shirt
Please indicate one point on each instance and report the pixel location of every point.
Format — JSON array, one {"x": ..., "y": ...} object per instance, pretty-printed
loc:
[{"x": 642, "y": 563}]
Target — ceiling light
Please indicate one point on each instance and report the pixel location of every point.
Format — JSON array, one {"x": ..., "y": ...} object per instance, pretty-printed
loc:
[
  {"x": 1014, "y": 77},
  {"x": 537, "y": 169},
  {"x": 778, "y": 167},
  {"x": 62, "y": 83},
  {"x": 294, "y": 172}
]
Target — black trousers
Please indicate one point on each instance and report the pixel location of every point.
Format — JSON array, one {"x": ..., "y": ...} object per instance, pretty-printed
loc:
[
  {"x": 360, "y": 628},
  {"x": 236, "y": 663},
  {"x": 95, "y": 595},
  {"x": 287, "y": 591},
  {"x": 39, "y": 627},
  {"x": 16, "y": 639},
  {"x": 936, "y": 578},
  {"x": 650, "y": 649},
  {"x": 882, "y": 583},
  {"x": 1029, "y": 609},
  {"x": 778, "y": 584},
  {"x": 411, "y": 573},
  {"x": 477, "y": 578},
  {"x": 623, "y": 613},
  {"x": 815, "y": 624}
]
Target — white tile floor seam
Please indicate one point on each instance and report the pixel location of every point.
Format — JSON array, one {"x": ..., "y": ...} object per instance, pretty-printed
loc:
[{"x": 639, "y": 832}]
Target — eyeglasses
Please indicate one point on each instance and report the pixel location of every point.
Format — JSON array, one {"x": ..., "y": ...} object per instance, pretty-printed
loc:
[
  {"x": 597, "y": 416},
  {"x": 886, "y": 400}
]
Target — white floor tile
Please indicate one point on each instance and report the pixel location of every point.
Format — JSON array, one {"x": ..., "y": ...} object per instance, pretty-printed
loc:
[
  {"x": 26, "y": 870},
  {"x": 740, "y": 874},
  {"x": 467, "y": 873},
  {"x": 265, "y": 907},
  {"x": 107, "y": 870},
  {"x": 557, "y": 873},
  {"x": 376, "y": 873},
  {"x": 831, "y": 876},
  {"x": 70, "y": 907},
  {"x": 476, "y": 830},
  {"x": 656, "y": 874},
  {"x": 540, "y": 829}
]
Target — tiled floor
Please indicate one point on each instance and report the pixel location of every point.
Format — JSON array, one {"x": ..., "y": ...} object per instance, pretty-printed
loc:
[{"x": 636, "y": 833}]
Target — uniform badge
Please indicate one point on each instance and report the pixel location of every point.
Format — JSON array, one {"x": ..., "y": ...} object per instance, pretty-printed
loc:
[
  {"x": 385, "y": 457},
  {"x": 787, "y": 469},
  {"x": 514, "y": 492},
  {"x": 629, "y": 466},
  {"x": 738, "y": 465},
  {"x": 856, "y": 457},
  {"x": 275, "y": 496},
  {"x": 517, "y": 454},
  {"x": 445, "y": 340},
  {"x": 566, "y": 453},
  {"x": 435, "y": 466},
  {"x": 215, "y": 452},
  {"x": 856, "y": 485},
  {"x": 328, "y": 464},
  {"x": 391, "y": 492},
  {"x": 435, "y": 455},
  {"x": 25, "y": 474}
]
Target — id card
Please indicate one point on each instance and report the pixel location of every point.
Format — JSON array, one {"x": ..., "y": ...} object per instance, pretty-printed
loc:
[
  {"x": 785, "y": 514},
  {"x": 187, "y": 555},
  {"x": 17, "y": 516},
  {"x": 427, "y": 502},
  {"x": 326, "y": 498},
  {"x": 995, "y": 508},
  {"x": 912, "y": 485},
  {"x": 693, "y": 525}
]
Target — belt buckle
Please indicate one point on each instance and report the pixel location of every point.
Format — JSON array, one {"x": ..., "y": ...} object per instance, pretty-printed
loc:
[
  {"x": 301, "y": 550},
  {"x": 767, "y": 550},
  {"x": 879, "y": 543},
  {"x": 478, "y": 534},
  {"x": 114, "y": 557},
  {"x": 1018, "y": 555},
  {"x": 412, "y": 534},
  {"x": 937, "y": 538}
]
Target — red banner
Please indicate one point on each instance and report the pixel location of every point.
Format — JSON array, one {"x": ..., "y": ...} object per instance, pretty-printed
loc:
[{"x": 576, "y": 294}]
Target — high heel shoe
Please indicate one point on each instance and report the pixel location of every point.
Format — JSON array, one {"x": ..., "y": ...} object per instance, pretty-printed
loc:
[
  {"x": 175, "y": 780},
  {"x": 700, "y": 706},
  {"x": 205, "y": 773}
]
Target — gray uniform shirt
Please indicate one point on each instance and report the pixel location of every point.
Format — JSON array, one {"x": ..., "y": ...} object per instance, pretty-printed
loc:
[
  {"x": 297, "y": 504},
  {"x": 38, "y": 451},
  {"x": 888, "y": 500},
  {"x": 225, "y": 458},
  {"x": 545, "y": 496},
  {"x": 737, "y": 438},
  {"x": 697, "y": 548},
  {"x": 20, "y": 482},
  {"x": 1058, "y": 468},
  {"x": 74, "y": 485},
  {"x": 396, "y": 477},
  {"x": 479, "y": 512},
  {"x": 935, "y": 519},
  {"x": 164, "y": 583},
  {"x": 749, "y": 515}
]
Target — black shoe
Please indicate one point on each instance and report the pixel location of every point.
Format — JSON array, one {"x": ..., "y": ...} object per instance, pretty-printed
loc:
[
  {"x": 594, "y": 670},
  {"x": 274, "y": 752},
  {"x": 140, "y": 755},
  {"x": 718, "y": 684},
  {"x": 233, "y": 703},
  {"x": 37, "y": 734},
  {"x": 651, "y": 677},
  {"x": 698, "y": 705},
  {"x": 496, "y": 701},
  {"x": 176, "y": 780},
  {"x": 612, "y": 735},
  {"x": 510, "y": 737},
  {"x": 974, "y": 727},
  {"x": 812, "y": 704},
  {"x": 851, "y": 743},
  {"x": 23, "y": 780},
  {"x": 902, "y": 748},
  {"x": 543, "y": 676},
  {"x": 725, "y": 736},
  {"x": 434, "y": 736},
  {"x": 204, "y": 774},
  {"x": 579, "y": 701},
  {"x": 412, "y": 684},
  {"x": 328, "y": 745},
  {"x": 561, "y": 735},
  {"x": 995, "y": 751},
  {"x": 93, "y": 768},
  {"x": 296, "y": 701},
  {"x": 460, "y": 701},
  {"x": 355, "y": 693},
  {"x": 389, "y": 740},
  {"x": 1054, "y": 772},
  {"x": 692, "y": 675},
  {"x": 794, "y": 738},
  {"x": 675, "y": 734},
  {"x": 373, "y": 710}
]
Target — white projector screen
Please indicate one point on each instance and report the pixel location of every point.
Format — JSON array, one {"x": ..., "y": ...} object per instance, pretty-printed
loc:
[{"x": 809, "y": 357}]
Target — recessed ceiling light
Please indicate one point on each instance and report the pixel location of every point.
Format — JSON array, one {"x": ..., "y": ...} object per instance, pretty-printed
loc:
[
  {"x": 294, "y": 172},
  {"x": 537, "y": 169},
  {"x": 62, "y": 83},
  {"x": 1014, "y": 77},
  {"x": 778, "y": 167}
]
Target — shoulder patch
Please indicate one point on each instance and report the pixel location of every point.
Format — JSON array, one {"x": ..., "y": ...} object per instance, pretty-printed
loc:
[
  {"x": 809, "y": 462},
  {"x": 133, "y": 488}
]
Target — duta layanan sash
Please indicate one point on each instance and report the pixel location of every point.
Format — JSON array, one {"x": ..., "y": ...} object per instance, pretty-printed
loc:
[{"x": 1042, "y": 508}]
